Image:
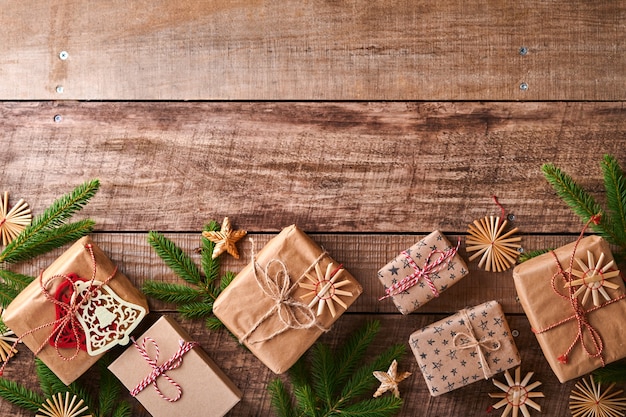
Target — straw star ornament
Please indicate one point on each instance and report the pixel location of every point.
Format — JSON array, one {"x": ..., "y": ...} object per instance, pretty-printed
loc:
[
  {"x": 593, "y": 279},
  {"x": 13, "y": 221},
  {"x": 225, "y": 239},
  {"x": 7, "y": 341},
  {"x": 325, "y": 289},
  {"x": 389, "y": 380},
  {"x": 62, "y": 407},
  {"x": 517, "y": 394},
  {"x": 498, "y": 248},
  {"x": 588, "y": 400}
]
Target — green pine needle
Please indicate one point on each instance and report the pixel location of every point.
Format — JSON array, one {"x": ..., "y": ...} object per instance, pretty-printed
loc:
[
  {"x": 615, "y": 185},
  {"x": 171, "y": 293},
  {"x": 50, "y": 384},
  {"x": 196, "y": 310},
  {"x": 281, "y": 400},
  {"x": 314, "y": 380},
  {"x": 123, "y": 410},
  {"x": 226, "y": 280},
  {"x": 53, "y": 217},
  {"x": 175, "y": 258},
  {"x": 531, "y": 254},
  {"x": 19, "y": 395},
  {"x": 7, "y": 294},
  {"x": 213, "y": 323},
  {"x": 613, "y": 372},
  {"x": 110, "y": 388},
  {"x": 15, "y": 280},
  {"x": 210, "y": 266}
]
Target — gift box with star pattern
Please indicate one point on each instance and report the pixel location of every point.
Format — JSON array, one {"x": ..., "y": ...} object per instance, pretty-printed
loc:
[
  {"x": 429, "y": 267},
  {"x": 473, "y": 344}
]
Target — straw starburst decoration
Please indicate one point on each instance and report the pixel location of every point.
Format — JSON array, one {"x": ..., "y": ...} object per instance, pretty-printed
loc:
[
  {"x": 588, "y": 400},
  {"x": 517, "y": 395},
  {"x": 13, "y": 221},
  {"x": 498, "y": 248},
  {"x": 325, "y": 289},
  {"x": 7, "y": 340},
  {"x": 62, "y": 407},
  {"x": 593, "y": 278}
]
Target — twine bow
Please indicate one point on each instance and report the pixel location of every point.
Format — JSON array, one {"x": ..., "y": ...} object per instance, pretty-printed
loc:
[
  {"x": 160, "y": 370},
  {"x": 292, "y": 313},
  {"x": 482, "y": 344},
  {"x": 68, "y": 322},
  {"x": 580, "y": 313},
  {"x": 424, "y": 273}
]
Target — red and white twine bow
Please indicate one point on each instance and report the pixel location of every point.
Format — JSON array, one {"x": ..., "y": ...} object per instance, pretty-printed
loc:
[
  {"x": 580, "y": 313},
  {"x": 424, "y": 273},
  {"x": 160, "y": 370},
  {"x": 70, "y": 310}
]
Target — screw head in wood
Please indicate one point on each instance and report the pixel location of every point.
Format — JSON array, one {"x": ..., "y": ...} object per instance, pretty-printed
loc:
[
  {"x": 511, "y": 217},
  {"x": 59, "y": 89},
  {"x": 63, "y": 55},
  {"x": 515, "y": 333},
  {"x": 58, "y": 118},
  {"x": 523, "y": 50},
  {"x": 523, "y": 86}
]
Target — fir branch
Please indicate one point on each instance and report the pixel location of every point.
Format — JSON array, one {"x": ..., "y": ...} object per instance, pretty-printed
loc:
[
  {"x": 123, "y": 409},
  {"x": 110, "y": 388},
  {"x": 226, "y": 280},
  {"x": 14, "y": 280},
  {"x": 210, "y": 266},
  {"x": 7, "y": 294},
  {"x": 213, "y": 323},
  {"x": 175, "y": 258},
  {"x": 50, "y": 384},
  {"x": 281, "y": 400},
  {"x": 314, "y": 380},
  {"x": 613, "y": 372},
  {"x": 171, "y": 293},
  {"x": 579, "y": 200},
  {"x": 615, "y": 186},
  {"x": 53, "y": 217},
  {"x": 374, "y": 407},
  {"x": 19, "y": 395},
  {"x": 50, "y": 239},
  {"x": 196, "y": 310},
  {"x": 531, "y": 254}
]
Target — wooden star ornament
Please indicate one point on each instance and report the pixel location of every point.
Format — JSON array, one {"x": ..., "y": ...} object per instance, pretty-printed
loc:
[
  {"x": 517, "y": 395},
  {"x": 593, "y": 277},
  {"x": 389, "y": 380},
  {"x": 225, "y": 239}
]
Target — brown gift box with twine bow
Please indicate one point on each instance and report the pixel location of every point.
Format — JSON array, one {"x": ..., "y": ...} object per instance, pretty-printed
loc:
[
  {"x": 553, "y": 318},
  {"x": 267, "y": 309},
  {"x": 435, "y": 273},
  {"x": 31, "y": 309},
  {"x": 204, "y": 389},
  {"x": 473, "y": 344}
]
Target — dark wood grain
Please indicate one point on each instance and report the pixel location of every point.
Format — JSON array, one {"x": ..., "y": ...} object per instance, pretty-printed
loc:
[
  {"x": 313, "y": 50},
  {"x": 340, "y": 167}
]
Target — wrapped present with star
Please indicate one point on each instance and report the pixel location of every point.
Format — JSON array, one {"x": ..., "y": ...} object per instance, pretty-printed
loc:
[
  {"x": 422, "y": 272},
  {"x": 285, "y": 298},
  {"x": 471, "y": 345},
  {"x": 170, "y": 374},
  {"x": 574, "y": 299},
  {"x": 77, "y": 309}
]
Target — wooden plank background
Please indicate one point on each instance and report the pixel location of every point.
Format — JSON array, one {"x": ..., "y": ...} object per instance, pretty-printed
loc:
[{"x": 367, "y": 123}]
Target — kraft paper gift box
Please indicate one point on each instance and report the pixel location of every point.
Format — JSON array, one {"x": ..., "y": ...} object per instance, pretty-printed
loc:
[
  {"x": 283, "y": 300},
  {"x": 425, "y": 276},
  {"x": 555, "y": 316},
  {"x": 203, "y": 390},
  {"x": 108, "y": 314},
  {"x": 473, "y": 344}
]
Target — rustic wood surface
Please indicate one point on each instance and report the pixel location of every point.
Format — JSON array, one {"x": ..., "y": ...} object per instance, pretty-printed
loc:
[
  {"x": 313, "y": 50},
  {"x": 366, "y": 123}
]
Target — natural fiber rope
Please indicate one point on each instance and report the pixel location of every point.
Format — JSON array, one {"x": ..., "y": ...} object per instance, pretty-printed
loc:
[{"x": 488, "y": 343}]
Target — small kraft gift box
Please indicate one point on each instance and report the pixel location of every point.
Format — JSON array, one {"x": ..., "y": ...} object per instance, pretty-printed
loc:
[
  {"x": 77, "y": 309},
  {"x": 422, "y": 272},
  {"x": 574, "y": 299},
  {"x": 170, "y": 375},
  {"x": 473, "y": 344},
  {"x": 285, "y": 298}
]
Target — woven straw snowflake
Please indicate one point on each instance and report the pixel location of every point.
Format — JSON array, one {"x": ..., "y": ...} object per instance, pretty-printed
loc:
[
  {"x": 517, "y": 395},
  {"x": 7, "y": 341},
  {"x": 498, "y": 249},
  {"x": 588, "y": 400},
  {"x": 62, "y": 407},
  {"x": 325, "y": 289},
  {"x": 13, "y": 221},
  {"x": 593, "y": 278}
]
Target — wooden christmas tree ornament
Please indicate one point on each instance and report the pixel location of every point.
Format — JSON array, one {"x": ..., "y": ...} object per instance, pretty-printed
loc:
[
  {"x": 13, "y": 221},
  {"x": 498, "y": 249},
  {"x": 588, "y": 400},
  {"x": 62, "y": 407},
  {"x": 517, "y": 394}
]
